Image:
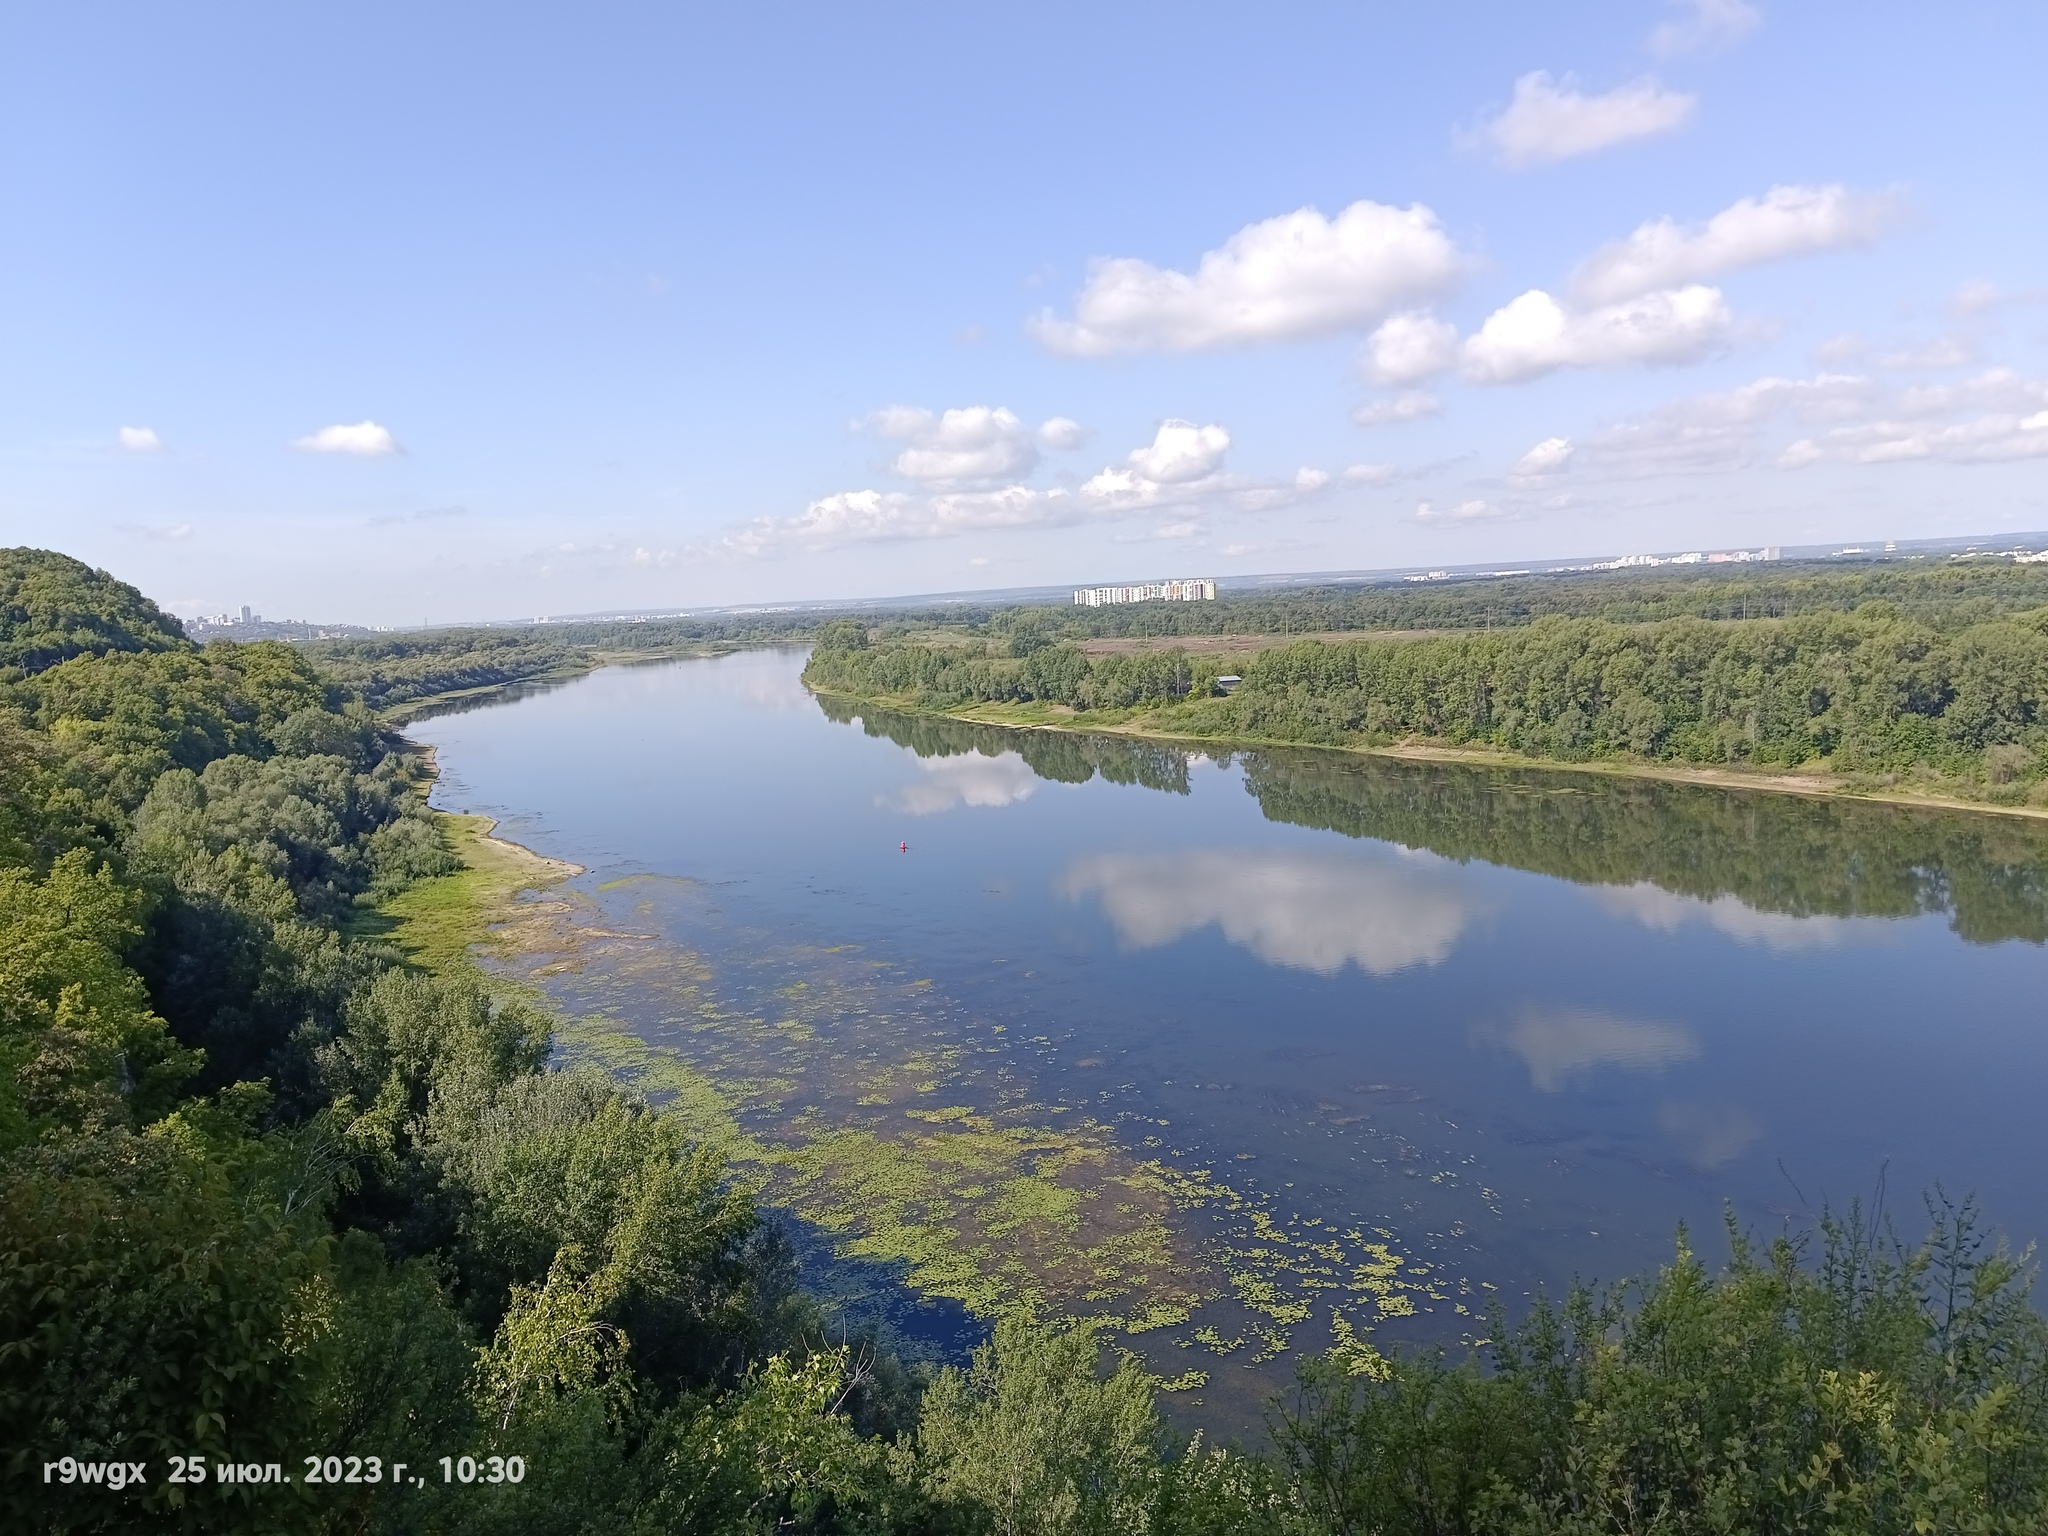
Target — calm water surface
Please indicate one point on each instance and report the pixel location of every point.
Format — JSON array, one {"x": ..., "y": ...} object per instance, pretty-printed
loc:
[{"x": 1480, "y": 1031}]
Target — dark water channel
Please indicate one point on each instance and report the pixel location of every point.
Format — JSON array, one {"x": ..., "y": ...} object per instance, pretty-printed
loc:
[{"x": 1436, "y": 1032}]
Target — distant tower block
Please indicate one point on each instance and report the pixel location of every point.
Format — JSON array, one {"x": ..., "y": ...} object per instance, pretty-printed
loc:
[
  {"x": 1194, "y": 589},
  {"x": 247, "y": 616}
]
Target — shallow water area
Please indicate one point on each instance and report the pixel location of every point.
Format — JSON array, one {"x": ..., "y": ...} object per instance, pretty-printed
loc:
[{"x": 1255, "y": 1053}]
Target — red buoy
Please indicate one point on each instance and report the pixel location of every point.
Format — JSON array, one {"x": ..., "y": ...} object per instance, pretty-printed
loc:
[{"x": 903, "y": 847}]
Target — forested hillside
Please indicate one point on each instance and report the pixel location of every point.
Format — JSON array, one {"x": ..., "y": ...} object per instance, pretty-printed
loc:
[{"x": 274, "y": 1199}]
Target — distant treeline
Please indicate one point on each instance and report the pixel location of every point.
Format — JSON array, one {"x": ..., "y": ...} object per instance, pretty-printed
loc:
[
  {"x": 1945, "y": 594},
  {"x": 1866, "y": 692},
  {"x": 395, "y": 670}
]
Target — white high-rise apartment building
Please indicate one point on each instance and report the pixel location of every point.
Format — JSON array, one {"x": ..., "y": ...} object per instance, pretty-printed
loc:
[{"x": 1194, "y": 589}]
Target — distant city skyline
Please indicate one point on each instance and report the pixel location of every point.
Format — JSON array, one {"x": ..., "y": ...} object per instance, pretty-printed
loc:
[{"x": 458, "y": 314}]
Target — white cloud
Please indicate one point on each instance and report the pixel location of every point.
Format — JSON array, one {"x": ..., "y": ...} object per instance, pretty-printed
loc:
[
  {"x": 975, "y": 445},
  {"x": 1062, "y": 435},
  {"x": 1294, "y": 276},
  {"x": 1546, "y": 458},
  {"x": 1993, "y": 438},
  {"x": 1950, "y": 351},
  {"x": 857, "y": 517},
  {"x": 141, "y": 440},
  {"x": 1723, "y": 431},
  {"x": 1997, "y": 416},
  {"x": 1369, "y": 474},
  {"x": 1414, "y": 405},
  {"x": 1535, "y": 334},
  {"x": 1309, "y": 910},
  {"x": 1464, "y": 512},
  {"x": 1181, "y": 451},
  {"x": 1708, "y": 26},
  {"x": 1560, "y": 1045},
  {"x": 1410, "y": 347},
  {"x": 365, "y": 439},
  {"x": 1784, "y": 222},
  {"x": 1552, "y": 119},
  {"x": 1979, "y": 297},
  {"x": 1182, "y": 467},
  {"x": 1847, "y": 347},
  {"x": 972, "y": 779}
]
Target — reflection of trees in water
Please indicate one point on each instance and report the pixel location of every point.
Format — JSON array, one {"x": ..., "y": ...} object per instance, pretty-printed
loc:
[
  {"x": 1793, "y": 854},
  {"x": 1777, "y": 853},
  {"x": 1065, "y": 757}
]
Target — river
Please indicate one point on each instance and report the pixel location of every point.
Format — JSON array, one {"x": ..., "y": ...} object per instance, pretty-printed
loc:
[{"x": 1260, "y": 1052}]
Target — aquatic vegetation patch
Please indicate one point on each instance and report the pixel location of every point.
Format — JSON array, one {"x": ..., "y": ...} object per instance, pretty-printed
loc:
[{"x": 909, "y": 1131}]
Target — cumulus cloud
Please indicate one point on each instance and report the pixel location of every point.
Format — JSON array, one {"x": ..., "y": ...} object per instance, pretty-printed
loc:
[
  {"x": 365, "y": 439},
  {"x": 1535, "y": 334},
  {"x": 1180, "y": 451},
  {"x": 141, "y": 440},
  {"x": 1547, "y": 458},
  {"x": 1560, "y": 1045},
  {"x": 1290, "y": 277},
  {"x": 856, "y": 517},
  {"x": 1410, "y": 347},
  {"x": 1413, "y": 405},
  {"x": 1062, "y": 435},
  {"x": 1551, "y": 119},
  {"x": 1182, "y": 467},
  {"x": 971, "y": 446},
  {"x": 1784, "y": 222},
  {"x": 972, "y": 779},
  {"x": 1181, "y": 457},
  {"x": 1310, "y": 910},
  {"x": 1369, "y": 474},
  {"x": 1706, "y": 27}
]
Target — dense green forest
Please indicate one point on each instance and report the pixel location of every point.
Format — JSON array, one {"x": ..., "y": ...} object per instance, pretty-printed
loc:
[
  {"x": 1961, "y": 706},
  {"x": 268, "y": 1193}
]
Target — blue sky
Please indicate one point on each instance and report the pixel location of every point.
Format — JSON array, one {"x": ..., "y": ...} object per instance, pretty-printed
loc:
[{"x": 397, "y": 312}]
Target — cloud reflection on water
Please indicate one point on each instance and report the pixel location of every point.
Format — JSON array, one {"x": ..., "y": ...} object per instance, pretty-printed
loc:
[
  {"x": 1711, "y": 1136},
  {"x": 1314, "y": 910},
  {"x": 1666, "y": 912},
  {"x": 1559, "y": 1044},
  {"x": 969, "y": 779}
]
